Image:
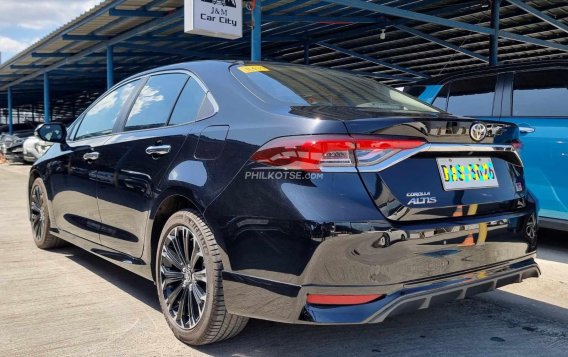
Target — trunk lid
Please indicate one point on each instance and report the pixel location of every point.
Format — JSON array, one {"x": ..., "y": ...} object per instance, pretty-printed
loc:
[{"x": 466, "y": 167}]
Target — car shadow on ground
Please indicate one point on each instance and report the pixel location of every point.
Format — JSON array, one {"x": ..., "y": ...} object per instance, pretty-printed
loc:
[
  {"x": 490, "y": 323},
  {"x": 553, "y": 245},
  {"x": 135, "y": 285},
  {"x": 473, "y": 326}
]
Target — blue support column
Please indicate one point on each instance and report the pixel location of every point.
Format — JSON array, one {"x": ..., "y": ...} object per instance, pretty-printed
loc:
[
  {"x": 110, "y": 67},
  {"x": 10, "y": 127},
  {"x": 46, "y": 106},
  {"x": 307, "y": 52},
  {"x": 494, "y": 40},
  {"x": 255, "y": 40}
]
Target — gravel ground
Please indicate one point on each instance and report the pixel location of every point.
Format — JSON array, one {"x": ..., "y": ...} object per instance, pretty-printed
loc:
[{"x": 68, "y": 302}]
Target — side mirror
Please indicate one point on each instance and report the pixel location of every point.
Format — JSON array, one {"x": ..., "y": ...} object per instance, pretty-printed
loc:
[{"x": 52, "y": 132}]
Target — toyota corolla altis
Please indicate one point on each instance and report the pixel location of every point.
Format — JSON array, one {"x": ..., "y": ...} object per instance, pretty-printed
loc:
[{"x": 285, "y": 192}]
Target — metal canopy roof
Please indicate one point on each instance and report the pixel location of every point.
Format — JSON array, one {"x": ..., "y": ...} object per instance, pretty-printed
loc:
[{"x": 421, "y": 39}]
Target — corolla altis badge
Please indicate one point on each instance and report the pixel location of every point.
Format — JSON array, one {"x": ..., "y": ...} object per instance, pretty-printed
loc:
[
  {"x": 420, "y": 198},
  {"x": 478, "y": 131}
]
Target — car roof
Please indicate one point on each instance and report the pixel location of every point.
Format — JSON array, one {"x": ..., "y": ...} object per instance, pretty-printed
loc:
[
  {"x": 512, "y": 67},
  {"x": 209, "y": 67}
]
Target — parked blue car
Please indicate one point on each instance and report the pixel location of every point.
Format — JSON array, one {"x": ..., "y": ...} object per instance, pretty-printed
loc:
[{"x": 535, "y": 97}]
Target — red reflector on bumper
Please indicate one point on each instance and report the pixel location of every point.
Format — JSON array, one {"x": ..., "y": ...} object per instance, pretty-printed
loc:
[{"x": 341, "y": 299}]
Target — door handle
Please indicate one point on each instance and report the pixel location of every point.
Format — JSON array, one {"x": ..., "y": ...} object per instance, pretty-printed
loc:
[
  {"x": 526, "y": 129},
  {"x": 90, "y": 156},
  {"x": 158, "y": 150}
]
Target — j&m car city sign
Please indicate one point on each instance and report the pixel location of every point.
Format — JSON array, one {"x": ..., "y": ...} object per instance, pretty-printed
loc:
[{"x": 216, "y": 18}]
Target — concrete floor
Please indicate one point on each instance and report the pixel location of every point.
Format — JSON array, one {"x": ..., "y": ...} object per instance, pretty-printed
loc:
[{"x": 68, "y": 302}]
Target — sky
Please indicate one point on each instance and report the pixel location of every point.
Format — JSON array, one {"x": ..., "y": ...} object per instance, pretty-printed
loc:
[{"x": 23, "y": 22}]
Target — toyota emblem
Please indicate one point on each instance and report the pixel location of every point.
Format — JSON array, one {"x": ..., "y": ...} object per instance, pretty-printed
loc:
[{"x": 478, "y": 131}]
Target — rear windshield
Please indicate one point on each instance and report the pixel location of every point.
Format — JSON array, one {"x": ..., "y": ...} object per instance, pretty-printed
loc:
[{"x": 311, "y": 86}]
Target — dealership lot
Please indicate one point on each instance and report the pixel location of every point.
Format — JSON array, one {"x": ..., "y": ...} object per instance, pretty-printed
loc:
[{"x": 68, "y": 302}]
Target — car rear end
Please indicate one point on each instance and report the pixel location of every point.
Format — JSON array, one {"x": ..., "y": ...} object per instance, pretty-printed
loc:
[{"x": 401, "y": 210}]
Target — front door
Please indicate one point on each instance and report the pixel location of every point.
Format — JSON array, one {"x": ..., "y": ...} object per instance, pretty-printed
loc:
[
  {"x": 73, "y": 184},
  {"x": 74, "y": 177}
]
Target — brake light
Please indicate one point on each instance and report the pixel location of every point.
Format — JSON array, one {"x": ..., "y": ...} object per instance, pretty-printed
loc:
[
  {"x": 314, "y": 153},
  {"x": 317, "y": 299}
]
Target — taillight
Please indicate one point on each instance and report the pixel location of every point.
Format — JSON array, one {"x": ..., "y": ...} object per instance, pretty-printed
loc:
[{"x": 315, "y": 153}]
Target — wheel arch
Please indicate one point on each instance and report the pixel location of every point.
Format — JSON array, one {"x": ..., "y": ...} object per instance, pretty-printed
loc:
[
  {"x": 167, "y": 203},
  {"x": 34, "y": 174}
]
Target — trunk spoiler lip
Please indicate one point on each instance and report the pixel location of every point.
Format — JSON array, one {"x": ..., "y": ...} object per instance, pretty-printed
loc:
[{"x": 430, "y": 147}]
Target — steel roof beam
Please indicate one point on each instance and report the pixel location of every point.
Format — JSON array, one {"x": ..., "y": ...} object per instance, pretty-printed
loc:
[
  {"x": 494, "y": 39},
  {"x": 379, "y": 75},
  {"x": 321, "y": 19},
  {"x": 50, "y": 55},
  {"x": 533, "y": 41},
  {"x": 396, "y": 12},
  {"x": 72, "y": 65},
  {"x": 284, "y": 7},
  {"x": 123, "y": 54},
  {"x": 184, "y": 38},
  {"x": 440, "y": 42},
  {"x": 154, "y": 3},
  {"x": 371, "y": 59},
  {"x": 27, "y": 66},
  {"x": 68, "y": 37},
  {"x": 136, "y": 13},
  {"x": 172, "y": 51},
  {"x": 541, "y": 15}
]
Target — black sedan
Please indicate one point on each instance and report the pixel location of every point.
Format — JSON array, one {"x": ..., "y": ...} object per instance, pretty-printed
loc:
[{"x": 285, "y": 192}]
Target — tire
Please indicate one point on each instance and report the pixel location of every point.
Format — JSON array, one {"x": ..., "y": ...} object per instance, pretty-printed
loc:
[
  {"x": 384, "y": 241},
  {"x": 197, "y": 322},
  {"x": 39, "y": 217}
]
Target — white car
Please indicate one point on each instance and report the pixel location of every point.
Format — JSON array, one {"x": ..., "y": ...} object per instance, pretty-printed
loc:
[{"x": 34, "y": 148}]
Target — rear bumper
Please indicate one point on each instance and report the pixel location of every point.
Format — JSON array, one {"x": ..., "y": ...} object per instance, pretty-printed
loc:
[
  {"x": 270, "y": 275},
  {"x": 422, "y": 296},
  {"x": 276, "y": 301}
]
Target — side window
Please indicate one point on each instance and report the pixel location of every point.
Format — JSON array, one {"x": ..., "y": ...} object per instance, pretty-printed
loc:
[
  {"x": 441, "y": 100},
  {"x": 100, "y": 119},
  {"x": 541, "y": 93},
  {"x": 472, "y": 96},
  {"x": 192, "y": 104},
  {"x": 154, "y": 104}
]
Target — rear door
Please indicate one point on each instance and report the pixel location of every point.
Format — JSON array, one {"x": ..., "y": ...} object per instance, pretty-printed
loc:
[
  {"x": 537, "y": 101},
  {"x": 135, "y": 160}
]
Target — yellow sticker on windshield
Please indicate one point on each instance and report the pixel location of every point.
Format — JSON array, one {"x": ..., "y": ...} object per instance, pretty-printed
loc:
[{"x": 251, "y": 69}]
